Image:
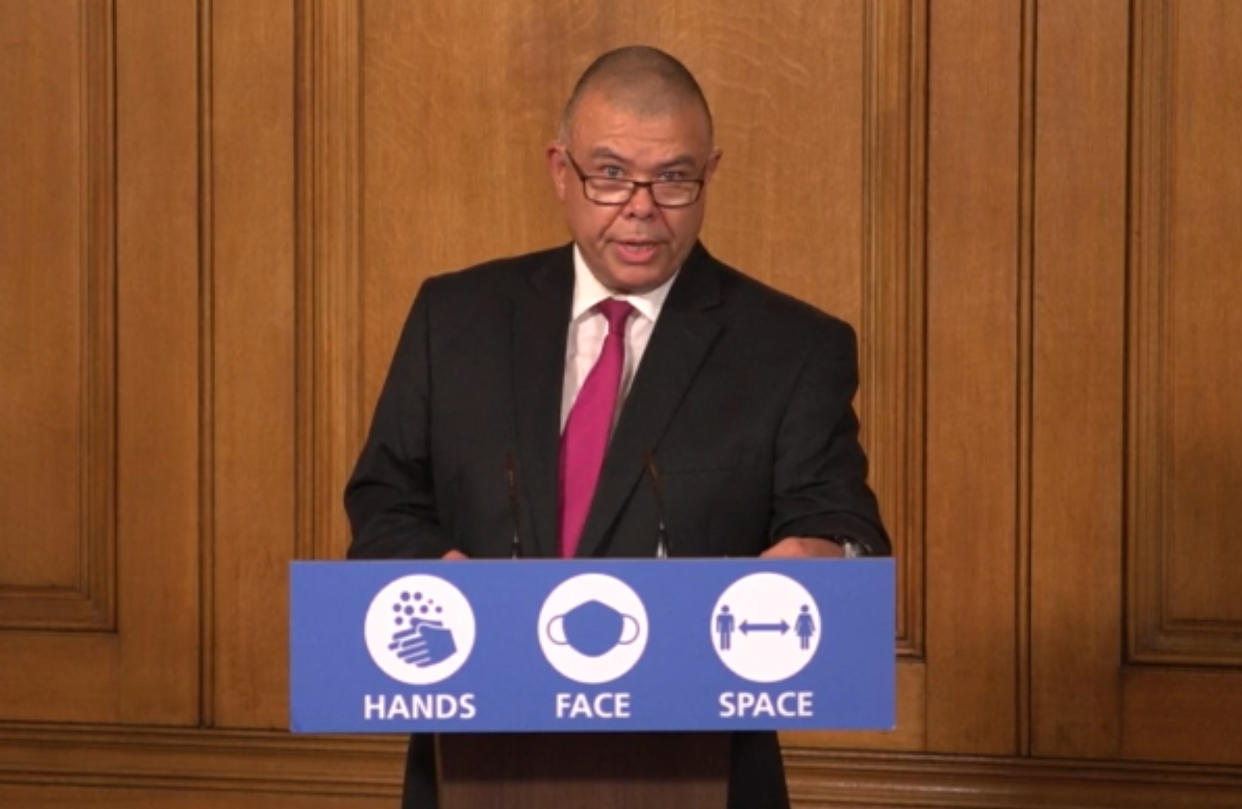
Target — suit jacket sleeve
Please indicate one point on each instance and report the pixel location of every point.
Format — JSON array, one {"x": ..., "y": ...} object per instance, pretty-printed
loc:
[
  {"x": 390, "y": 499},
  {"x": 820, "y": 471}
]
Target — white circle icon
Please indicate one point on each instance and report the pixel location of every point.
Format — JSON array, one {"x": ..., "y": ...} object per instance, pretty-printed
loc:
[
  {"x": 765, "y": 627},
  {"x": 592, "y": 628},
  {"x": 419, "y": 629}
]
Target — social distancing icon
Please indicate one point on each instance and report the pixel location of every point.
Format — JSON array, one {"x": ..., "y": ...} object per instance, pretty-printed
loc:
[{"x": 765, "y": 627}]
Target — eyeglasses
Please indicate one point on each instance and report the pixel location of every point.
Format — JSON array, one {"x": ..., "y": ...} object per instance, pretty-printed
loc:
[{"x": 603, "y": 190}]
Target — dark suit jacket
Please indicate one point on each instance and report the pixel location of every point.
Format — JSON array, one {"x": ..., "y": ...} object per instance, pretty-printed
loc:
[{"x": 743, "y": 399}]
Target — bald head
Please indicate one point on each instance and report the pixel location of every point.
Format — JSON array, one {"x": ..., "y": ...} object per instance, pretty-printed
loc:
[{"x": 640, "y": 79}]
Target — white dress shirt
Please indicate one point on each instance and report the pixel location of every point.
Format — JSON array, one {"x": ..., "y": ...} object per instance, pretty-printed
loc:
[{"x": 588, "y": 328}]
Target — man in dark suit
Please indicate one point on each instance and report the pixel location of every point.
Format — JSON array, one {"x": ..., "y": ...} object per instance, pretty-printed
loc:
[{"x": 737, "y": 397}]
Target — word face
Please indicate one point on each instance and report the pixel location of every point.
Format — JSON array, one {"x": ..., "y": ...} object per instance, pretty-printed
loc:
[{"x": 604, "y": 705}]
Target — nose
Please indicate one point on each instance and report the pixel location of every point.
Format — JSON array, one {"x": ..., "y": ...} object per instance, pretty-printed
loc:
[{"x": 642, "y": 203}]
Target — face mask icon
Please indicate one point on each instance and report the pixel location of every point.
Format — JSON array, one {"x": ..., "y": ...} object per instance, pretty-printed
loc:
[{"x": 592, "y": 628}]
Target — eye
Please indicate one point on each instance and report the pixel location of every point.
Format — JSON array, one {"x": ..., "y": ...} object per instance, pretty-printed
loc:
[
  {"x": 614, "y": 172},
  {"x": 672, "y": 175}
]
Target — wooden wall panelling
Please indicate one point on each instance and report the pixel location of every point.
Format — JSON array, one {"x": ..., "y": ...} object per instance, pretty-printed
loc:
[
  {"x": 909, "y": 734},
  {"x": 974, "y": 93},
  {"x": 1203, "y": 600},
  {"x": 58, "y": 329},
  {"x": 147, "y": 670},
  {"x": 1078, "y": 370},
  {"x": 893, "y": 320},
  {"x": 331, "y": 412},
  {"x": 891, "y": 340},
  {"x": 57, "y": 333},
  {"x": 251, "y": 168},
  {"x": 65, "y": 797},
  {"x": 42, "y": 765},
  {"x": 901, "y": 780},
  {"x": 1187, "y": 397},
  {"x": 1136, "y": 492},
  {"x": 42, "y": 343},
  {"x": 158, "y": 370},
  {"x": 1181, "y": 714},
  {"x": 1182, "y": 669},
  {"x": 49, "y": 766},
  {"x": 790, "y": 99}
]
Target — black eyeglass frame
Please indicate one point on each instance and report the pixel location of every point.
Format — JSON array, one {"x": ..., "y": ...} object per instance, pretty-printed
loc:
[{"x": 634, "y": 185}]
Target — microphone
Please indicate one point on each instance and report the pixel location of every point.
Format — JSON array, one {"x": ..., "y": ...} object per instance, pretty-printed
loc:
[
  {"x": 662, "y": 546},
  {"x": 515, "y": 543}
]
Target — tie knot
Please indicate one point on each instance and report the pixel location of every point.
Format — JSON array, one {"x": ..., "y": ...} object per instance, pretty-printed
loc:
[{"x": 616, "y": 312}]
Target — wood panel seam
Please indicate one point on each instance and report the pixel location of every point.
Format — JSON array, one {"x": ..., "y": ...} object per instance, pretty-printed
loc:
[
  {"x": 1024, "y": 395},
  {"x": 206, "y": 532}
]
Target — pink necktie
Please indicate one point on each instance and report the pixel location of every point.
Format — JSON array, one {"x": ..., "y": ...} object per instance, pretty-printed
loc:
[{"x": 588, "y": 426}]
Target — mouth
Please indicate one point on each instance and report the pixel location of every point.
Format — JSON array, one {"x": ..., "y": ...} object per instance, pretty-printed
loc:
[{"x": 636, "y": 251}]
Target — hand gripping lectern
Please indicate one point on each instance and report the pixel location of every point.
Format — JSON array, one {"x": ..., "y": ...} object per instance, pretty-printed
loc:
[{"x": 590, "y": 683}]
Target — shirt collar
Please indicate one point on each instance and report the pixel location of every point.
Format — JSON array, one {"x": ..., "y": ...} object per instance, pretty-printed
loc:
[{"x": 588, "y": 291}]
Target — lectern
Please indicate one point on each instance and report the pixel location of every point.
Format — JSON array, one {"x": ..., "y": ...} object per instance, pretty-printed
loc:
[
  {"x": 590, "y": 683},
  {"x": 589, "y": 770}
]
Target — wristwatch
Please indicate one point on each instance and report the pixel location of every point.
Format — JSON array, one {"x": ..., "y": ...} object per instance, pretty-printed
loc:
[{"x": 853, "y": 549}]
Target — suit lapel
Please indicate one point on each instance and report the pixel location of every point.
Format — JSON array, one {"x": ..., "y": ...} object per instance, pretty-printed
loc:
[
  {"x": 683, "y": 334},
  {"x": 540, "y": 323}
]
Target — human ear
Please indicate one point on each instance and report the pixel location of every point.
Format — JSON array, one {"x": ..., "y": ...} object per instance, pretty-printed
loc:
[
  {"x": 712, "y": 162},
  {"x": 557, "y": 168}
]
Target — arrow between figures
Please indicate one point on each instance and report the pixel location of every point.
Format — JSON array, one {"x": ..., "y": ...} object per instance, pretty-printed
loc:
[{"x": 747, "y": 627}]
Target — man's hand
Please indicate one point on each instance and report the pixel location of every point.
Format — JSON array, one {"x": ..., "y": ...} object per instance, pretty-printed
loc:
[
  {"x": 454, "y": 554},
  {"x": 804, "y": 548}
]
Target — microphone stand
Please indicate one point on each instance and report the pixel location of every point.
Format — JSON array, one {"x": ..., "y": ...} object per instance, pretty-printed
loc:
[
  {"x": 515, "y": 543},
  {"x": 662, "y": 546}
]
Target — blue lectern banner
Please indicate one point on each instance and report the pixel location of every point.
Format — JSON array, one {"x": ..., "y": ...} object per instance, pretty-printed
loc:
[{"x": 573, "y": 645}]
